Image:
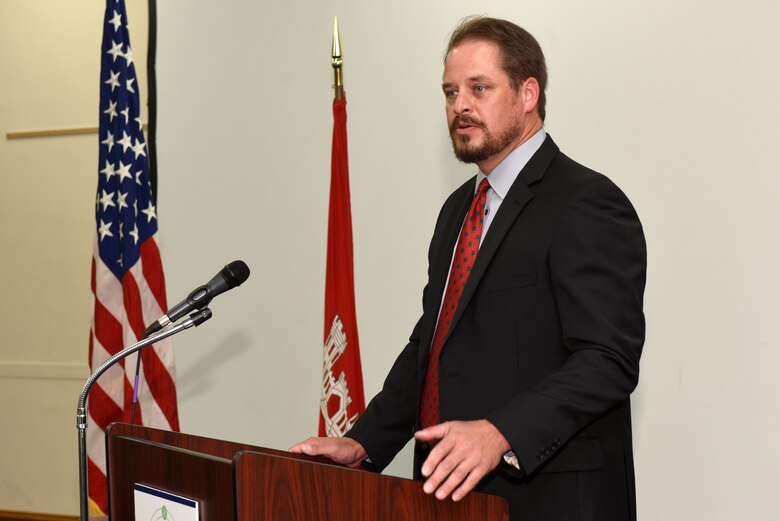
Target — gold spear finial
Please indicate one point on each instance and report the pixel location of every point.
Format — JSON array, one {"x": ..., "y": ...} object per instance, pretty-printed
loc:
[{"x": 336, "y": 61}]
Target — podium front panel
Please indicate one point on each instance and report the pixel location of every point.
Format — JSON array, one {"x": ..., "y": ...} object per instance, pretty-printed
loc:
[
  {"x": 200, "y": 477},
  {"x": 270, "y": 487}
]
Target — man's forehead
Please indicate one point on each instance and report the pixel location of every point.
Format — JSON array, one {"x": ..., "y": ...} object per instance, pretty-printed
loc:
[
  {"x": 474, "y": 45},
  {"x": 474, "y": 53},
  {"x": 478, "y": 60}
]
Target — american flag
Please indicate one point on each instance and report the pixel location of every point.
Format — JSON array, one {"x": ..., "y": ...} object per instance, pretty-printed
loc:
[{"x": 127, "y": 277}]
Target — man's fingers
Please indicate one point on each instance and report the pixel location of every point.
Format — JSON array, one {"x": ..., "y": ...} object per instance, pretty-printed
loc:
[
  {"x": 468, "y": 484},
  {"x": 301, "y": 448},
  {"x": 464, "y": 454},
  {"x": 436, "y": 457},
  {"x": 341, "y": 450},
  {"x": 451, "y": 480},
  {"x": 438, "y": 471},
  {"x": 432, "y": 433},
  {"x": 315, "y": 447}
]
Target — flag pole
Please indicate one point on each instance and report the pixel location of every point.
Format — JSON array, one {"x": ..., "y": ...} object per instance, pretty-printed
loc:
[{"x": 337, "y": 62}]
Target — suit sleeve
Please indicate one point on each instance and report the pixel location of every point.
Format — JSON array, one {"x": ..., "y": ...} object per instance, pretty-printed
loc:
[
  {"x": 597, "y": 262},
  {"x": 389, "y": 419}
]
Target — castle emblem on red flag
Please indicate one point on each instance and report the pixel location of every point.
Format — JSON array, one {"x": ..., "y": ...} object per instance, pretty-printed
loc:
[{"x": 335, "y": 398}]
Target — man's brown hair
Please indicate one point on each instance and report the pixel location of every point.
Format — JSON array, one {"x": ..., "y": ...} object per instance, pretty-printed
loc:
[{"x": 521, "y": 53}]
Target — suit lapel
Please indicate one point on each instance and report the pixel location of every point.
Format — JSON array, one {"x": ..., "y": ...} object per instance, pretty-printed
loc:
[
  {"x": 517, "y": 198},
  {"x": 441, "y": 257}
]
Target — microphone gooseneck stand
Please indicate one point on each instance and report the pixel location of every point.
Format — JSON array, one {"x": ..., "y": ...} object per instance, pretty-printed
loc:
[{"x": 194, "y": 319}]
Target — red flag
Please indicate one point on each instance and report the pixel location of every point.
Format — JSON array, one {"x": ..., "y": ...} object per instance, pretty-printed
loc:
[
  {"x": 342, "y": 377},
  {"x": 128, "y": 286}
]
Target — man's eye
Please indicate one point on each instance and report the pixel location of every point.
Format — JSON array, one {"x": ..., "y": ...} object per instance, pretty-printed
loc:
[
  {"x": 479, "y": 88},
  {"x": 450, "y": 93}
]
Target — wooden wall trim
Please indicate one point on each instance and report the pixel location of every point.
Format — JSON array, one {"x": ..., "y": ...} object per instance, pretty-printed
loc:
[
  {"x": 7, "y": 515},
  {"x": 30, "y": 370}
]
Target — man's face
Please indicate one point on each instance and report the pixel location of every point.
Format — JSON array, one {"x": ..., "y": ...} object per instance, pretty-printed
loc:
[{"x": 485, "y": 114}]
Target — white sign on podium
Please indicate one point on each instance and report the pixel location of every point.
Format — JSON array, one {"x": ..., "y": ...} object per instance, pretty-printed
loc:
[{"x": 152, "y": 504}]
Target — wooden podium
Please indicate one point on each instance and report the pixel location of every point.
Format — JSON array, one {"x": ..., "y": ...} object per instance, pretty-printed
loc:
[{"x": 235, "y": 481}]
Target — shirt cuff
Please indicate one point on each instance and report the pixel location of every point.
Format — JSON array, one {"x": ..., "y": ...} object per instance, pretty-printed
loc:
[{"x": 511, "y": 459}]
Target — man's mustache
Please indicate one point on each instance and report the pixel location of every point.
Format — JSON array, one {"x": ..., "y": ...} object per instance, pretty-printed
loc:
[{"x": 465, "y": 119}]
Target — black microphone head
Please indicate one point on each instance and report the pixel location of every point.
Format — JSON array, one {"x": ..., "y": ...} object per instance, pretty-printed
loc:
[{"x": 235, "y": 273}]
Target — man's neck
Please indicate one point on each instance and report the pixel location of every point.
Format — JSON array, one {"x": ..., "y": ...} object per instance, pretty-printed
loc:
[{"x": 493, "y": 161}]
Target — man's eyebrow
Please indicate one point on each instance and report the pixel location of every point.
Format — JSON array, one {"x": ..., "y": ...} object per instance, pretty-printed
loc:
[
  {"x": 471, "y": 79},
  {"x": 480, "y": 77}
]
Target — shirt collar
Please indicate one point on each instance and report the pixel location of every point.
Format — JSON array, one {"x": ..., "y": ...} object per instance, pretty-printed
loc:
[{"x": 503, "y": 176}]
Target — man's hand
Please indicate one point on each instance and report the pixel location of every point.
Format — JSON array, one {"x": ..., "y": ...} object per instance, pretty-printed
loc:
[
  {"x": 341, "y": 450},
  {"x": 464, "y": 453}
]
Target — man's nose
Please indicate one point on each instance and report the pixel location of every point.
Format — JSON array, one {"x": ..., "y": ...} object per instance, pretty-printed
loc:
[{"x": 463, "y": 104}]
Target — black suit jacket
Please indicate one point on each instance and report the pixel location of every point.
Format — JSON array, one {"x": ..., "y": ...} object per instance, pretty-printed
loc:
[{"x": 545, "y": 343}]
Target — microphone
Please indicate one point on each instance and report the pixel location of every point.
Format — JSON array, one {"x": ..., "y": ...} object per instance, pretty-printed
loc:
[{"x": 232, "y": 275}]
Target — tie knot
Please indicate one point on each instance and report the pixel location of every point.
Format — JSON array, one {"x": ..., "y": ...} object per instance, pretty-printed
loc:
[{"x": 483, "y": 187}]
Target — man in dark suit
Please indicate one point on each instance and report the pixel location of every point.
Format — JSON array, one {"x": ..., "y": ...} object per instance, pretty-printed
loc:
[{"x": 517, "y": 377}]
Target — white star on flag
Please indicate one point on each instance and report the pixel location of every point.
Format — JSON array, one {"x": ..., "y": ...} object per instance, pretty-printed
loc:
[
  {"x": 108, "y": 169},
  {"x": 113, "y": 81},
  {"x": 124, "y": 172},
  {"x": 129, "y": 56},
  {"x": 107, "y": 200},
  {"x": 151, "y": 212},
  {"x": 134, "y": 233},
  {"x": 138, "y": 148},
  {"x": 116, "y": 21},
  {"x": 126, "y": 142},
  {"x": 116, "y": 50},
  {"x": 122, "y": 200},
  {"x": 111, "y": 110},
  {"x": 109, "y": 141},
  {"x": 105, "y": 230}
]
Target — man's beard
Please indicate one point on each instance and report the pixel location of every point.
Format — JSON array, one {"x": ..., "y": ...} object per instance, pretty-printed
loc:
[{"x": 490, "y": 146}]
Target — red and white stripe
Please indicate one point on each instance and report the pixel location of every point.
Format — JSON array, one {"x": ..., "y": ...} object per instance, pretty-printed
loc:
[{"x": 122, "y": 309}]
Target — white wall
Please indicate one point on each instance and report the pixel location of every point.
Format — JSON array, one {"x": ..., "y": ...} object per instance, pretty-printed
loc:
[{"x": 675, "y": 101}]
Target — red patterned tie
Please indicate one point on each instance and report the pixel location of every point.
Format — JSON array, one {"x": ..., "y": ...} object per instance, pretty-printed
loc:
[{"x": 462, "y": 261}]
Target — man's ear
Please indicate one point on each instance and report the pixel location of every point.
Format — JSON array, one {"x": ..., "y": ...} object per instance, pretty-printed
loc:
[{"x": 529, "y": 95}]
